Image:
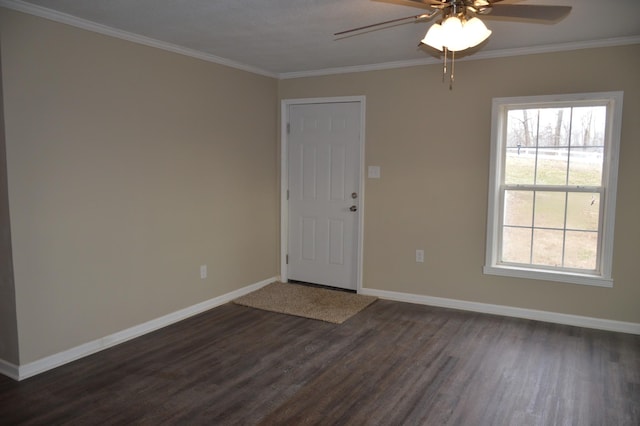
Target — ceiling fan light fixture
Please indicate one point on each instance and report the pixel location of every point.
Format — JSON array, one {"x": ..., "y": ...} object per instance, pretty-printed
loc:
[
  {"x": 458, "y": 28},
  {"x": 456, "y": 34},
  {"x": 476, "y": 32},
  {"x": 435, "y": 37}
]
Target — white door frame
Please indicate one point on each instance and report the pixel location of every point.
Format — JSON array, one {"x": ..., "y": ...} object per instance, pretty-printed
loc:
[{"x": 284, "y": 180}]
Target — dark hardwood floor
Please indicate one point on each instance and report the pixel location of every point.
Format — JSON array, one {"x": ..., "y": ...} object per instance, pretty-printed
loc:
[{"x": 392, "y": 364}]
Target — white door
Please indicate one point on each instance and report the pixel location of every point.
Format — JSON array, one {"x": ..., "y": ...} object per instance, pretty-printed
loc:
[{"x": 323, "y": 208}]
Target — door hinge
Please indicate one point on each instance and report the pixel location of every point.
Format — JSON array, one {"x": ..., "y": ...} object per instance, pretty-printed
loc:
[
  {"x": 287, "y": 259},
  {"x": 288, "y": 128},
  {"x": 287, "y": 194}
]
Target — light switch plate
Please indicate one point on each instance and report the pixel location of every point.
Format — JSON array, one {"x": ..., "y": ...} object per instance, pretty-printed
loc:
[{"x": 374, "y": 172}]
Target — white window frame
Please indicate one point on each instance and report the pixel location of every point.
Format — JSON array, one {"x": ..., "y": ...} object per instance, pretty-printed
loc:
[{"x": 603, "y": 275}]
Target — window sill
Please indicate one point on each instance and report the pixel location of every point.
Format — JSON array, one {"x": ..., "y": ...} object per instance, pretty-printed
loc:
[{"x": 536, "y": 274}]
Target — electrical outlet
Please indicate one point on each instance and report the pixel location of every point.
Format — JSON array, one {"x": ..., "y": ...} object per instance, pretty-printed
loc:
[
  {"x": 420, "y": 256},
  {"x": 203, "y": 272}
]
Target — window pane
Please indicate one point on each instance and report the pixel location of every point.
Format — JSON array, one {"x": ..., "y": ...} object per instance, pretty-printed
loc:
[
  {"x": 547, "y": 247},
  {"x": 516, "y": 245},
  {"x": 581, "y": 250},
  {"x": 518, "y": 208},
  {"x": 520, "y": 168},
  {"x": 520, "y": 160},
  {"x": 554, "y": 127},
  {"x": 588, "y": 126},
  {"x": 552, "y": 166},
  {"x": 583, "y": 211},
  {"x": 522, "y": 128},
  {"x": 585, "y": 166},
  {"x": 549, "y": 209}
]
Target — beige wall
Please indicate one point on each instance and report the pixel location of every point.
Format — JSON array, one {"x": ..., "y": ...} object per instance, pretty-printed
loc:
[
  {"x": 8, "y": 320},
  {"x": 128, "y": 168},
  {"x": 433, "y": 148}
]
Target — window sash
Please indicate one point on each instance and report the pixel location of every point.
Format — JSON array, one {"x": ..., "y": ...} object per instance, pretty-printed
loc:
[{"x": 568, "y": 189}]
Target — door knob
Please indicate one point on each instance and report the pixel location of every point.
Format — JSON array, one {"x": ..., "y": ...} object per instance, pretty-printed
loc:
[{"x": 353, "y": 208}]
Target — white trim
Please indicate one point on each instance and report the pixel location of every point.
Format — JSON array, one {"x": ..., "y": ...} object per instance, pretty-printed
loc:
[
  {"x": 85, "y": 24},
  {"x": 360, "y": 254},
  {"x": 74, "y": 21},
  {"x": 488, "y": 54},
  {"x": 10, "y": 370},
  {"x": 359, "y": 68},
  {"x": 508, "y": 311},
  {"x": 284, "y": 174},
  {"x": 284, "y": 186},
  {"x": 546, "y": 275},
  {"x": 86, "y": 349},
  {"x": 40, "y": 366}
]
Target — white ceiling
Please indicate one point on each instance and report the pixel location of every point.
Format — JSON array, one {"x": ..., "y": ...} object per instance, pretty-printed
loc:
[{"x": 286, "y": 38}]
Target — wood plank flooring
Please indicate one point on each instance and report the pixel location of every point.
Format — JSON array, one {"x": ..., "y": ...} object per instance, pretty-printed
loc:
[{"x": 392, "y": 364}]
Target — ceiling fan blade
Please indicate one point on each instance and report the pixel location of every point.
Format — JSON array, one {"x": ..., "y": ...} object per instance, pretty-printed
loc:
[
  {"x": 416, "y": 18},
  {"x": 412, "y": 3},
  {"x": 444, "y": 3},
  {"x": 428, "y": 2},
  {"x": 529, "y": 11}
]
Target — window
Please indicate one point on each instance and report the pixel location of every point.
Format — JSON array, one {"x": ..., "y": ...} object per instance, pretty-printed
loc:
[{"x": 552, "y": 188}]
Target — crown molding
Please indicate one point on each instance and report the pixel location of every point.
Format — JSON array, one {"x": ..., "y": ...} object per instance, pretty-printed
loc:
[
  {"x": 84, "y": 24},
  {"x": 74, "y": 21},
  {"x": 360, "y": 68},
  {"x": 488, "y": 54}
]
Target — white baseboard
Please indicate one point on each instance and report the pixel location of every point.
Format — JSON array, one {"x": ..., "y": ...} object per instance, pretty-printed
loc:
[
  {"x": 508, "y": 311},
  {"x": 86, "y": 349},
  {"x": 10, "y": 370},
  {"x": 40, "y": 366}
]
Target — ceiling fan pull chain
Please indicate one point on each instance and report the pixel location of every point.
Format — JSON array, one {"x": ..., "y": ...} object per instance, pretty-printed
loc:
[
  {"x": 444, "y": 66},
  {"x": 453, "y": 65}
]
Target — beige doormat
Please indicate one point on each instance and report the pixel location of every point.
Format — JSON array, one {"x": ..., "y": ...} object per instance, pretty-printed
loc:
[{"x": 308, "y": 302}]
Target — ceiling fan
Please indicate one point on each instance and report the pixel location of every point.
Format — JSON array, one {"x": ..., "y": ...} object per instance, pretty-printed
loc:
[{"x": 458, "y": 26}]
